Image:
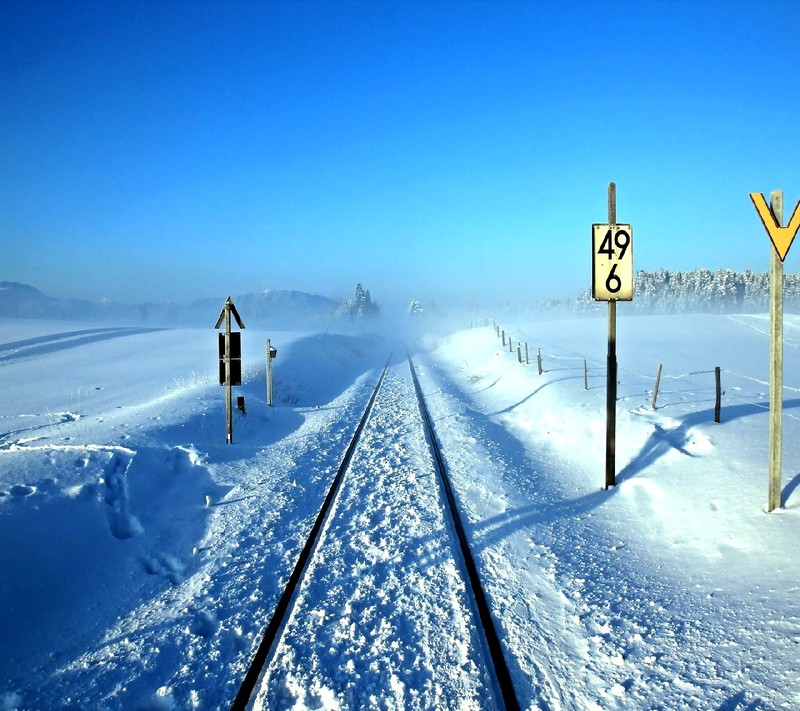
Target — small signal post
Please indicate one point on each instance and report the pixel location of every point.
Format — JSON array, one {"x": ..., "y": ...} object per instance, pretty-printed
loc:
[
  {"x": 272, "y": 353},
  {"x": 612, "y": 281}
]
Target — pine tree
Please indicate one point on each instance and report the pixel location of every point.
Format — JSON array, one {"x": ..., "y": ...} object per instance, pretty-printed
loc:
[
  {"x": 361, "y": 305},
  {"x": 415, "y": 308}
]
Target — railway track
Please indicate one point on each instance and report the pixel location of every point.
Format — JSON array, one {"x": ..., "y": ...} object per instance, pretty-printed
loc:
[{"x": 389, "y": 525}]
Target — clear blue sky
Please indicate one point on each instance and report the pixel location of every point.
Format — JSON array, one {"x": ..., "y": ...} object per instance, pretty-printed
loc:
[{"x": 456, "y": 151}]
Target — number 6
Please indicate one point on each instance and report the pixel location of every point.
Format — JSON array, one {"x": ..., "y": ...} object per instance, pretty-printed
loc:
[{"x": 613, "y": 282}]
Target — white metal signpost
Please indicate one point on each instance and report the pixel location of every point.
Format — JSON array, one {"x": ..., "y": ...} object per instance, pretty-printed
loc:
[
  {"x": 612, "y": 281},
  {"x": 782, "y": 238}
]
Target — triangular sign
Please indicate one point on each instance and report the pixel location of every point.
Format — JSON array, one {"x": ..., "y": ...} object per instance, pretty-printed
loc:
[
  {"x": 782, "y": 237},
  {"x": 229, "y": 305}
]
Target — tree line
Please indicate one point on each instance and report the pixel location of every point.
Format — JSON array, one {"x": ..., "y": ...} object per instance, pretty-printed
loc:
[{"x": 700, "y": 290}]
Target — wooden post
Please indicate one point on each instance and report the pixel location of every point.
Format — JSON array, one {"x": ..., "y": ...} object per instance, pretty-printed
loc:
[
  {"x": 527, "y": 360},
  {"x": 269, "y": 375},
  {"x": 658, "y": 382},
  {"x": 503, "y": 333},
  {"x": 539, "y": 360},
  {"x": 519, "y": 352},
  {"x": 585, "y": 375},
  {"x": 718, "y": 399},
  {"x": 510, "y": 347},
  {"x": 228, "y": 407},
  {"x": 776, "y": 363},
  {"x": 611, "y": 362}
]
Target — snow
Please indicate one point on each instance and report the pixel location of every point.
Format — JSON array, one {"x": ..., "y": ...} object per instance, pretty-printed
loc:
[{"x": 142, "y": 556}]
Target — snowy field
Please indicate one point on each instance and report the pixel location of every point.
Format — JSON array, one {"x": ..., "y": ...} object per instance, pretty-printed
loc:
[{"x": 142, "y": 556}]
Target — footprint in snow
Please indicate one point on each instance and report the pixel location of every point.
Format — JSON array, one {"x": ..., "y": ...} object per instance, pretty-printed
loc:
[
  {"x": 123, "y": 523},
  {"x": 205, "y": 623},
  {"x": 164, "y": 564},
  {"x": 22, "y": 490}
]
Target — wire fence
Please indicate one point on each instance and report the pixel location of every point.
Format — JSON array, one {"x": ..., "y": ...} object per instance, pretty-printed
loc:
[{"x": 544, "y": 360}]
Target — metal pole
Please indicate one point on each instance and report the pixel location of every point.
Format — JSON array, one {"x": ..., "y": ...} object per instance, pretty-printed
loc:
[
  {"x": 611, "y": 369},
  {"x": 776, "y": 363},
  {"x": 269, "y": 374},
  {"x": 228, "y": 408}
]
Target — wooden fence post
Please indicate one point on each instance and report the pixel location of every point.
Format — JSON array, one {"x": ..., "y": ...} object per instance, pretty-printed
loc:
[
  {"x": 718, "y": 402},
  {"x": 519, "y": 352},
  {"x": 527, "y": 360},
  {"x": 503, "y": 333},
  {"x": 539, "y": 360},
  {"x": 585, "y": 375},
  {"x": 658, "y": 382}
]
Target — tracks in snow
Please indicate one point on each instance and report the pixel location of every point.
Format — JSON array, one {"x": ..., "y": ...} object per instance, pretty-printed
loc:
[{"x": 385, "y": 603}]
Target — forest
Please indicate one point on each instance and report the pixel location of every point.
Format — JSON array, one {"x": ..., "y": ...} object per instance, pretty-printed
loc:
[{"x": 700, "y": 290}]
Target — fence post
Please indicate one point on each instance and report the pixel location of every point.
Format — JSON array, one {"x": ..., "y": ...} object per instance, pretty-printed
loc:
[
  {"x": 510, "y": 348},
  {"x": 503, "y": 333},
  {"x": 539, "y": 360},
  {"x": 718, "y": 404},
  {"x": 519, "y": 352},
  {"x": 585, "y": 375},
  {"x": 658, "y": 381},
  {"x": 527, "y": 360}
]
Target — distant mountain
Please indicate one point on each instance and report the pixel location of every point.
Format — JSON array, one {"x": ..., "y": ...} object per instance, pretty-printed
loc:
[
  {"x": 275, "y": 308},
  {"x": 23, "y": 301},
  {"x": 272, "y": 308}
]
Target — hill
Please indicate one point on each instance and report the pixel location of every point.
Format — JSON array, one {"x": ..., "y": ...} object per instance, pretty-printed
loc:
[{"x": 270, "y": 308}]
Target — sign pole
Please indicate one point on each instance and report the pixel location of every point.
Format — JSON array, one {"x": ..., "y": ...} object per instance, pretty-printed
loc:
[
  {"x": 782, "y": 238},
  {"x": 230, "y": 354},
  {"x": 611, "y": 383},
  {"x": 776, "y": 363},
  {"x": 228, "y": 408}
]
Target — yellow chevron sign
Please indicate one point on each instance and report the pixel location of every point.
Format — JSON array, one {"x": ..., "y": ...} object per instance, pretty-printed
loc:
[{"x": 782, "y": 237}]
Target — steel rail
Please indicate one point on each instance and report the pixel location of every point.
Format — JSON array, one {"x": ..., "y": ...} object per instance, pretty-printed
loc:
[
  {"x": 501, "y": 671},
  {"x": 282, "y": 609}
]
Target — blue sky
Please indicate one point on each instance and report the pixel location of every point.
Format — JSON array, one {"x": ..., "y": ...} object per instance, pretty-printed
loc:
[{"x": 448, "y": 151}]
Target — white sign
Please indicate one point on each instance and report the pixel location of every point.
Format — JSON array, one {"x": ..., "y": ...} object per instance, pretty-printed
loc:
[{"x": 612, "y": 262}]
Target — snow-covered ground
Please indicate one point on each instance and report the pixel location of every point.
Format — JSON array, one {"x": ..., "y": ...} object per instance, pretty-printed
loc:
[{"x": 141, "y": 556}]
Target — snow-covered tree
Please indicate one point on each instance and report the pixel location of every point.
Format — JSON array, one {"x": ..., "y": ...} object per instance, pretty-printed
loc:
[
  {"x": 361, "y": 305},
  {"x": 415, "y": 308}
]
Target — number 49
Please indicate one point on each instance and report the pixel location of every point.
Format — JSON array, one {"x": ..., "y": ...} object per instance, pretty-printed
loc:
[{"x": 621, "y": 241}]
